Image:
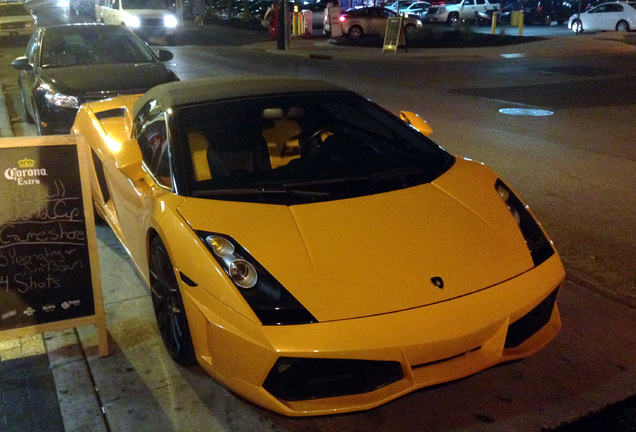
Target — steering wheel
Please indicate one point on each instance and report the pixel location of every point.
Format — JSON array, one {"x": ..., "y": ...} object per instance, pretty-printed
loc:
[{"x": 314, "y": 141}]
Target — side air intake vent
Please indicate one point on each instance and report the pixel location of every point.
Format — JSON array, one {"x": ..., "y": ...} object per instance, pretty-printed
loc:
[{"x": 111, "y": 113}]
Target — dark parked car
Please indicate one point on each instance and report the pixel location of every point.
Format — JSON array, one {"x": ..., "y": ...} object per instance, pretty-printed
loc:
[
  {"x": 543, "y": 12},
  {"x": 82, "y": 7},
  {"x": 16, "y": 19},
  {"x": 68, "y": 65}
]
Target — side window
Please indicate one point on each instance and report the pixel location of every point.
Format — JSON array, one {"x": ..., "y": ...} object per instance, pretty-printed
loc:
[
  {"x": 152, "y": 137},
  {"x": 481, "y": 2}
]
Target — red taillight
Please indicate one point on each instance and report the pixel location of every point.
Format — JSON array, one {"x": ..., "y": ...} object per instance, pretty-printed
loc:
[{"x": 342, "y": 18}]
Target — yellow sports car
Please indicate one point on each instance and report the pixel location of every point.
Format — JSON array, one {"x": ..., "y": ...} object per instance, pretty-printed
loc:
[{"x": 310, "y": 250}]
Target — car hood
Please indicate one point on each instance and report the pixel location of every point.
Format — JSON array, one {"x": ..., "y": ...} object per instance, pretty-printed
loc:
[
  {"x": 111, "y": 78},
  {"x": 381, "y": 253}
]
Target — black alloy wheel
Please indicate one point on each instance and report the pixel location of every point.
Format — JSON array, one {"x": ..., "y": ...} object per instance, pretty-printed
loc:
[
  {"x": 453, "y": 18},
  {"x": 168, "y": 306},
  {"x": 355, "y": 32}
]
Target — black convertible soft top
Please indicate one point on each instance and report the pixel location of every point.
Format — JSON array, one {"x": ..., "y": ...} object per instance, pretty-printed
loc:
[{"x": 194, "y": 91}]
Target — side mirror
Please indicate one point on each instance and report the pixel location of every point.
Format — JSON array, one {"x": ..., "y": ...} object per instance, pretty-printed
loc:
[
  {"x": 417, "y": 122},
  {"x": 165, "y": 55},
  {"x": 128, "y": 160},
  {"x": 21, "y": 63}
]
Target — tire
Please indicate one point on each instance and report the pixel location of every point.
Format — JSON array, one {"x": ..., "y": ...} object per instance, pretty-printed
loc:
[
  {"x": 355, "y": 32},
  {"x": 452, "y": 19},
  {"x": 168, "y": 306},
  {"x": 409, "y": 29},
  {"x": 577, "y": 26},
  {"x": 622, "y": 26}
]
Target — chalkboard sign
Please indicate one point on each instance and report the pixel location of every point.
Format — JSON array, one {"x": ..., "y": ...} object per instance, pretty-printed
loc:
[
  {"x": 394, "y": 35},
  {"x": 47, "y": 237}
]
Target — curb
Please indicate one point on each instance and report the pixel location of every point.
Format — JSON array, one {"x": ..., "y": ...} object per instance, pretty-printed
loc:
[{"x": 6, "y": 130}]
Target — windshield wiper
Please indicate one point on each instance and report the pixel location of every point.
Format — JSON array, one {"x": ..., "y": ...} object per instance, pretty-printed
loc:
[
  {"x": 263, "y": 191},
  {"x": 392, "y": 173},
  {"x": 375, "y": 177}
]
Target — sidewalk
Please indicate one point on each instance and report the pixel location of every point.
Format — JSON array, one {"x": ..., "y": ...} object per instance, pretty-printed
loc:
[
  {"x": 584, "y": 44},
  {"x": 57, "y": 382}
]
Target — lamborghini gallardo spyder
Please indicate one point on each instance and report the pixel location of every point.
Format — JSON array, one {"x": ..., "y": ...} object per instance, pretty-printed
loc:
[{"x": 312, "y": 251}]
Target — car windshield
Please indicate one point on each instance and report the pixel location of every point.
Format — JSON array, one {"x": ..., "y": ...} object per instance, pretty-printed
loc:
[
  {"x": 16, "y": 9},
  {"x": 301, "y": 148},
  {"x": 92, "y": 45},
  {"x": 145, "y": 4}
]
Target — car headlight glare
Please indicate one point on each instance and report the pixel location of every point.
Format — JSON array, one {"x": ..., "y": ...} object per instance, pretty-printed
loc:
[
  {"x": 270, "y": 301},
  {"x": 59, "y": 100},
  {"x": 133, "y": 21},
  {"x": 170, "y": 21}
]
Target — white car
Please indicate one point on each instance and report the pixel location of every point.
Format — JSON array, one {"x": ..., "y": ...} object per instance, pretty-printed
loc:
[
  {"x": 618, "y": 16},
  {"x": 15, "y": 19},
  {"x": 451, "y": 11},
  {"x": 417, "y": 9},
  {"x": 357, "y": 22},
  {"x": 144, "y": 17}
]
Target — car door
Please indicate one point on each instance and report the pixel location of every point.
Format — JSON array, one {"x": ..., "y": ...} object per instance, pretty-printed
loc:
[
  {"x": 378, "y": 19},
  {"x": 614, "y": 13},
  {"x": 599, "y": 18},
  {"x": 469, "y": 7},
  {"x": 364, "y": 18},
  {"x": 134, "y": 200}
]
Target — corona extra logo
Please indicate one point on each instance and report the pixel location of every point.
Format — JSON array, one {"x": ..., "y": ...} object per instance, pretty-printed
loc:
[
  {"x": 26, "y": 163},
  {"x": 26, "y": 173}
]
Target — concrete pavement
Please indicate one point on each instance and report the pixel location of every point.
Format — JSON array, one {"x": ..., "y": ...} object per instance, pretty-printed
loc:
[{"x": 138, "y": 387}]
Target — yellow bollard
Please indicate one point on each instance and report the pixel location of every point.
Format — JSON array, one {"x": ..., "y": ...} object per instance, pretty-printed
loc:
[
  {"x": 521, "y": 23},
  {"x": 493, "y": 29}
]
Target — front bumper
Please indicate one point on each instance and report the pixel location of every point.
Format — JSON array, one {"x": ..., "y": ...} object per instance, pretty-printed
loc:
[
  {"x": 17, "y": 28},
  {"x": 57, "y": 121},
  {"x": 350, "y": 365}
]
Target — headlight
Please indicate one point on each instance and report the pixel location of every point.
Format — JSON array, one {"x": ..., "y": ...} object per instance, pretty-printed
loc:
[
  {"x": 539, "y": 246},
  {"x": 269, "y": 300},
  {"x": 59, "y": 100},
  {"x": 170, "y": 21},
  {"x": 133, "y": 21},
  {"x": 441, "y": 10}
]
